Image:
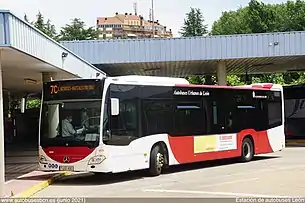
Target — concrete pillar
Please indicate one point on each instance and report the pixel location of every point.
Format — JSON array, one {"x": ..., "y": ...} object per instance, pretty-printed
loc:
[
  {"x": 2, "y": 158},
  {"x": 221, "y": 73}
]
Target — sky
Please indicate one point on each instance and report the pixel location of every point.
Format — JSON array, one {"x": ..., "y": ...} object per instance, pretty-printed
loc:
[{"x": 169, "y": 12}]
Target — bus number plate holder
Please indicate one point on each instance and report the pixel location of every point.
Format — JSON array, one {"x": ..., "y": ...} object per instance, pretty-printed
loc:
[{"x": 66, "y": 168}]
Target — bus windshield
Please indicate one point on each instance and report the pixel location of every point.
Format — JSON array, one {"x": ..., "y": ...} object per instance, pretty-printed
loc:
[
  {"x": 70, "y": 114},
  {"x": 70, "y": 123}
]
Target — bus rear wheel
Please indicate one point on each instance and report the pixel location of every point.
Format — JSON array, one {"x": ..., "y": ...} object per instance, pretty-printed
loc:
[
  {"x": 157, "y": 160},
  {"x": 247, "y": 150}
]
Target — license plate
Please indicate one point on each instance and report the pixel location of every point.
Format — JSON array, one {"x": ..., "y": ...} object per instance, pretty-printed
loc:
[{"x": 66, "y": 168}]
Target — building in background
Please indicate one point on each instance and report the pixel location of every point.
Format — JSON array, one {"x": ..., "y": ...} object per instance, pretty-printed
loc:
[{"x": 122, "y": 26}]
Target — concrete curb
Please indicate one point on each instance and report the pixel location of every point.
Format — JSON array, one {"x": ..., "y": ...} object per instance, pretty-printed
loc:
[{"x": 40, "y": 186}]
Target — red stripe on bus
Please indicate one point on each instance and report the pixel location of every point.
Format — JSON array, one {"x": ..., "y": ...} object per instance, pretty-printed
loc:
[
  {"x": 73, "y": 153},
  {"x": 183, "y": 147}
]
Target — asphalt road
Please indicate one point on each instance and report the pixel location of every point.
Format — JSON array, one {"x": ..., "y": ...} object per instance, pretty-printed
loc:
[{"x": 278, "y": 174}]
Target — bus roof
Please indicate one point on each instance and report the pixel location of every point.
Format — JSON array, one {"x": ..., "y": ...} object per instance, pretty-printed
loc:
[
  {"x": 150, "y": 80},
  {"x": 172, "y": 81}
]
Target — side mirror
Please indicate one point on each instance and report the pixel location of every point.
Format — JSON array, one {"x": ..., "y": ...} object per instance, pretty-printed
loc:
[
  {"x": 23, "y": 105},
  {"x": 115, "y": 106}
]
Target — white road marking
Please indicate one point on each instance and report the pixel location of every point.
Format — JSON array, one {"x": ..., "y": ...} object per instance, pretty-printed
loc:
[
  {"x": 24, "y": 175},
  {"x": 9, "y": 181},
  {"x": 217, "y": 193},
  {"x": 19, "y": 177}
]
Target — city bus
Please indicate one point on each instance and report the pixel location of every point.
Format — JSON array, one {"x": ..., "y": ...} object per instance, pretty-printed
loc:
[{"x": 127, "y": 123}]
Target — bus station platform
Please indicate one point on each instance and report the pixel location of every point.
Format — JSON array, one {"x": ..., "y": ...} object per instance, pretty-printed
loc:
[
  {"x": 20, "y": 160},
  {"x": 22, "y": 176},
  {"x": 28, "y": 184}
]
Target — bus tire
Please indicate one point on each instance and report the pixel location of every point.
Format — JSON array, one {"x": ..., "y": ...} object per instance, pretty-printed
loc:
[
  {"x": 247, "y": 150},
  {"x": 156, "y": 161}
]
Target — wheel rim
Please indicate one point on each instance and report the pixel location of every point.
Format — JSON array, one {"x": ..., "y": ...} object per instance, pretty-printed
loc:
[
  {"x": 160, "y": 161},
  {"x": 247, "y": 150}
]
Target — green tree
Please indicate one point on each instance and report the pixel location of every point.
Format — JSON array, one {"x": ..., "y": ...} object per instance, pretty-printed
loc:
[
  {"x": 33, "y": 103},
  {"x": 46, "y": 27},
  {"x": 77, "y": 31},
  {"x": 224, "y": 25},
  {"x": 39, "y": 23},
  {"x": 258, "y": 17},
  {"x": 194, "y": 24},
  {"x": 234, "y": 80},
  {"x": 50, "y": 30},
  {"x": 195, "y": 79},
  {"x": 25, "y": 17}
]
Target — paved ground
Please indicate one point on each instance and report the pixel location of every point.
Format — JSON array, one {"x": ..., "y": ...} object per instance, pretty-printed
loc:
[
  {"x": 280, "y": 174},
  {"x": 19, "y": 160}
]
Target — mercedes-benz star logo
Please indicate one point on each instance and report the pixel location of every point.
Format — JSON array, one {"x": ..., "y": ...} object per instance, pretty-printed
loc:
[{"x": 66, "y": 159}]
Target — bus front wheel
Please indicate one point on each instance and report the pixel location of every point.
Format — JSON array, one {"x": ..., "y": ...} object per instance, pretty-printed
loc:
[
  {"x": 247, "y": 150},
  {"x": 157, "y": 160}
]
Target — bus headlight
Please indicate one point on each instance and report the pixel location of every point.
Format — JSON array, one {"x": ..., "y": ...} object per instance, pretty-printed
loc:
[
  {"x": 96, "y": 160},
  {"x": 42, "y": 160}
]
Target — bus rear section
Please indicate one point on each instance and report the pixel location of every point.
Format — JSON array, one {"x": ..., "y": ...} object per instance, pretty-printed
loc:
[
  {"x": 226, "y": 122},
  {"x": 274, "y": 116}
]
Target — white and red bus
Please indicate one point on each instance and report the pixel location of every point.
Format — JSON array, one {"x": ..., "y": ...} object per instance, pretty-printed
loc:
[{"x": 141, "y": 122}]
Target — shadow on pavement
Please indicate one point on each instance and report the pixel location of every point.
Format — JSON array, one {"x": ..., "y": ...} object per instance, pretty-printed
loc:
[
  {"x": 13, "y": 171},
  {"x": 104, "y": 179},
  {"x": 20, "y": 159},
  {"x": 209, "y": 164}
]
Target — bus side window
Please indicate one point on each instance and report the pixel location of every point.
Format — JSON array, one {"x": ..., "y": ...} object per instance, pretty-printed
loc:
[
  {"x": 157, "y": 117},
  {"x": 189, "y": 119},
  {"x": 275, "y": 113},
  {"x": 124, "y": 127}
]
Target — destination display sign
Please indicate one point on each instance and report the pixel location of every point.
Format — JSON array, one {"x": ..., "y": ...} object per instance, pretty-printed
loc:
[
  {"x": 73, "y": 89},
  {"x": 55, "y": 89}
]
